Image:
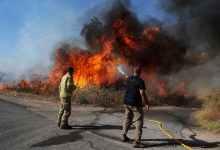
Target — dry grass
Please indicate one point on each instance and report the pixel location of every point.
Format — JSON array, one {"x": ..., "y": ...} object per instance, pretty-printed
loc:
[
  {"x": 94, "y": 96},
  {"x": 105, "y": 97},
  {"x": 209, "y": 116},
  {"x": 31, "y": 95}
]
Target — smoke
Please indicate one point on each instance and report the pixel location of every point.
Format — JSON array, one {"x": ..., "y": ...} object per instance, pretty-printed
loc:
[
  {"x": 92, "y": 33},
  {"x": 29, "y": 44},
  {"x": 120, "y": 22},
  {"x": 198, "y": 23},
  {"x": 198, "y": 79},
  {"x": 181, "y": 51},
  {"x": 2, "y": 77}
]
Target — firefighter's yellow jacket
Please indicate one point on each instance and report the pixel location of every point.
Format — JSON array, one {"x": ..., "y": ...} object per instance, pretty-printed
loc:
[{"x": 67, "y": 86}]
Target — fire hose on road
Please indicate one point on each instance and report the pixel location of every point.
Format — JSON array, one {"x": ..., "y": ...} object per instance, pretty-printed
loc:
[
  {"x": 158, "y": 122},
  {"x": 167, "y": 134}
]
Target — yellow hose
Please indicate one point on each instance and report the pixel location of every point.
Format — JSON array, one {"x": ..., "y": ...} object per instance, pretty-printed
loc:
[{"x": 167, "y": 134}]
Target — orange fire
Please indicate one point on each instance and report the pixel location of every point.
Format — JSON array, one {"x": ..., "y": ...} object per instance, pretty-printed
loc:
[
  {"x": 150, "y": 32},
  {"x": 96, "y": 69},
  {"x": 163, "y": 91},
  {"x": 3, "y": 86},
  {"x": 100, "y": 68}
]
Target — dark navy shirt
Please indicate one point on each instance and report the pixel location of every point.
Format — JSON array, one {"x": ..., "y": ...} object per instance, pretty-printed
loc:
[{"x": 132, "y": 91}]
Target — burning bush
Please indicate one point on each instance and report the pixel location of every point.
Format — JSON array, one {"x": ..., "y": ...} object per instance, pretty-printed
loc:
[
  {"x": 116, "y": 37},
  {"x": 120, "y": 38}
]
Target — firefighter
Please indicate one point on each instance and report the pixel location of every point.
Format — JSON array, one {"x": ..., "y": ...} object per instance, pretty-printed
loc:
[
  {"x": 66, "y": 89},
  {"x": 135, "y": 102}
]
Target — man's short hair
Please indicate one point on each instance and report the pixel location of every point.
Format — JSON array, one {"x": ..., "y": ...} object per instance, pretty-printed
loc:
[
  {"x": 137, "y": 70},
  {"x": 70, "y": 70}
]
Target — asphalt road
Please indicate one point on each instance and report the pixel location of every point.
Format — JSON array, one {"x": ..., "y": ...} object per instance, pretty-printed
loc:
[{"x": 23, "y": 127}]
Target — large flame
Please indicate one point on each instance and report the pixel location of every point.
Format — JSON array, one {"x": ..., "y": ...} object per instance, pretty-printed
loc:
[
  {"x": 97, "y": 69},
  {"x": 101, "y": 68},
  {"x": 125, "y": 42}
]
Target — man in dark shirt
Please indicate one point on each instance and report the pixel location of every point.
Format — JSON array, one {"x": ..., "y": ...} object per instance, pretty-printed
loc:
[{"x": 135, "y": 102}]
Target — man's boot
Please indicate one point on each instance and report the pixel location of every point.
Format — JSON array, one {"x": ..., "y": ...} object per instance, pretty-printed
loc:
[
  {"x": 125, "y": 138},
  {"x": 65, "y": 125},
  {"x": 138, "y": 144}
]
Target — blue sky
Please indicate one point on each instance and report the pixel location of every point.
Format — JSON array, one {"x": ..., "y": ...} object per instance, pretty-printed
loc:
[{"x": 30, "y": 30}]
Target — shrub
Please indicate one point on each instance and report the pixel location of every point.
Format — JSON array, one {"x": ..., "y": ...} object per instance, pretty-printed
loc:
[
  {"x": 209, "y": 116},
  {"x": 81, "y": 98}
]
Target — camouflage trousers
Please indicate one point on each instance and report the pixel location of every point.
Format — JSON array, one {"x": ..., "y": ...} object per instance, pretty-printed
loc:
[
  {"x": 65, "y": 110},
  {"x": 138, "y": 115}
]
